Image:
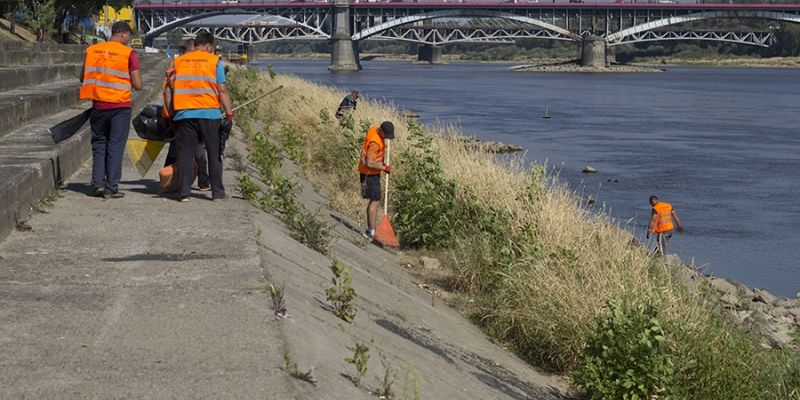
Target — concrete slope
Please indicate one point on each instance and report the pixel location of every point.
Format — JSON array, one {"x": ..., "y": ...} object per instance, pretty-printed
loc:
[
  {"x": 137, "y": 298},
  {"x": 150, "y": 298}
]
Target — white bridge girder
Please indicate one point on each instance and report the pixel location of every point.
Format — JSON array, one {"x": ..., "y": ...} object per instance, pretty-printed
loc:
[{"x": 753, "y": 38}]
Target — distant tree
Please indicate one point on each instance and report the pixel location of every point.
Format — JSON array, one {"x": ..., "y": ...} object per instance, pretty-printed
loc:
[{"x": 9, "y": 8}]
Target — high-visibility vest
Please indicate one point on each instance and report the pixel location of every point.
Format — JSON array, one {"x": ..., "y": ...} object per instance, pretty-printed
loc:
[
  {"x": 195, "y": 83},
  {"x": 663, "y": 213},
  {"x": 372, "y": 137},
  {"x": 105, "y": 73}
]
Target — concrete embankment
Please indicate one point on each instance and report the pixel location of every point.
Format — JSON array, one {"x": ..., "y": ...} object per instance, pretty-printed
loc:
[
  {"x": 144, "y": 297},
  {"x": 40, "y": 89}
]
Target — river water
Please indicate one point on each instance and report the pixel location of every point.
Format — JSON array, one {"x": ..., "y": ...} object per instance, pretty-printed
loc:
[{"x": 721, "y": 144}]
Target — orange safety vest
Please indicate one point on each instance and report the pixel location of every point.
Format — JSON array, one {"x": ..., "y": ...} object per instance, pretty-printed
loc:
[
  {"x": 105, "y": 73},
  {"x": 663, "y": 222},
  {"x": 372, "y": 137},
  {"x": 195, "y": 83}
]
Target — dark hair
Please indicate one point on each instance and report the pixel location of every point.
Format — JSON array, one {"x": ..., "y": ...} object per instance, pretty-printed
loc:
[
  {"x": 203, "y": 38},
  {"x": 120, "y": 27},
  {"x": 653, "y": 198}
]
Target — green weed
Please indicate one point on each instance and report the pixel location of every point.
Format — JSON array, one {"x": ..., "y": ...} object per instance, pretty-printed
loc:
[
  {"x": 342, "y": 294},
  {"x": 359, "y": 360}
]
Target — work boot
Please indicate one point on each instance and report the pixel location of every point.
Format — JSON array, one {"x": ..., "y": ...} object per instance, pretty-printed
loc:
[{"x": 98, "y": 192}]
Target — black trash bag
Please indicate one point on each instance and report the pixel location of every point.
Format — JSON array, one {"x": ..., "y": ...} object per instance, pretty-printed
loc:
[
  {"x": 224, "y": 134},
  {"x": 149, "y": 124},
  {"x": 65, "y": 130}
]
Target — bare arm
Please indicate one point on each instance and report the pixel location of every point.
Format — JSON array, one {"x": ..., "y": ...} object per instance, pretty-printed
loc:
[
  {"x": 83, "y": 70},
  {"x": 225, "y": 98},
  {"x": 168, "y": 98},
  {"x": 136, "y": 80},
  {"x": 371, "y": 163},
  {"x": 677, "y": 221},
  {"x": 652, "y": 223}
]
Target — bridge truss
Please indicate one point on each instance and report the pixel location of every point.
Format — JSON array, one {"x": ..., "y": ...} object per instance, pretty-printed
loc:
[{"x": 618, "y": 23}]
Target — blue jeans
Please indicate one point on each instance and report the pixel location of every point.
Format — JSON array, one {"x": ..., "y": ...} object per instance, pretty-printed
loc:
[{"x": 109, "y": 133}]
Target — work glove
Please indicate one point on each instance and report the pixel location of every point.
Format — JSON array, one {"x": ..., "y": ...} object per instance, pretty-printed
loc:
[
  {"x": 387, "y": 168},
  {"x": 229, "y": 117}
]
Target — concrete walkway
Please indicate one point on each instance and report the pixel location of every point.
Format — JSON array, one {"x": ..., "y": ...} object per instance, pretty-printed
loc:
[
  {"x": 140, "y": 297},
  {"x": 144, "y": 297}
]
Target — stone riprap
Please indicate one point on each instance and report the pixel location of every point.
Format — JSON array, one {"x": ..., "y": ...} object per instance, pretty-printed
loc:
[{"x": 775, "y": 320}]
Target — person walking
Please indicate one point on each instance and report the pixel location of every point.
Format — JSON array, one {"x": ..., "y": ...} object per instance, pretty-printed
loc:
[
  {"x": 203, "y": 181},
  {"x": 661, "y": 224},
  {"x": 348, "y": 104},
  {"x": 196, "y": 95},
  {"x": 109, "y": 76},
  {"x": 370, "y": 167}
]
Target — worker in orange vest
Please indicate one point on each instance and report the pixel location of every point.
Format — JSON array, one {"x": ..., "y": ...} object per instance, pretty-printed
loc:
[
  {"x": 370, "y": 167},
  {"x": 661, "y": 224},
  {"x": 109, "y": 76},
  {"x": 196, "y": 94}
]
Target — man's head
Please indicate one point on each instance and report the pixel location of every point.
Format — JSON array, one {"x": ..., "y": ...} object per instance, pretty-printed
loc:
[
  {"x": 386, "y": 130},
  {"x": 204, "y": 42},
  {"x": 653, "y": 200},
  {"x": 355, "y": 94},
  {"x": 121, "y": 32}
]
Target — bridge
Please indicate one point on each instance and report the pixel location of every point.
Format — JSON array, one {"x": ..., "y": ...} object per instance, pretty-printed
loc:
[{"x": 598, "y": 25}]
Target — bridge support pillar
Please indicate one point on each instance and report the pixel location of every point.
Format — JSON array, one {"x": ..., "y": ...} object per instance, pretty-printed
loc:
[
  {"x": 429, "y": 53},
  {"x": 344, "y": 51},
  {"x": 593, "y": 53}
]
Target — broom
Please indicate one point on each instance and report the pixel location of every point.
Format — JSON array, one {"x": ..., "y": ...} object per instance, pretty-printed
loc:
[{"x": 384, "y": 233}]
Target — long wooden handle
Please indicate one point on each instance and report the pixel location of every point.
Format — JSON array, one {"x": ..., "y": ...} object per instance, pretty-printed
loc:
[
  {"x": 248, "y": 102},
  {"x": 386, "y": 190}
]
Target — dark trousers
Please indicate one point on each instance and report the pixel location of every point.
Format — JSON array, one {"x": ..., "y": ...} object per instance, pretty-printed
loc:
[
  {"x": 192, "y": 132},
  {"x": 199, "y": 156},
  {"x": 109, "y": 133}
]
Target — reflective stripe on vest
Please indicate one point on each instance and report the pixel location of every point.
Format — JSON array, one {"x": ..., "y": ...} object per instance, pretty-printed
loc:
[
  {"x": 105, "y": 73},
  {"x": 372, "y": 137},
  {"x": 195, "y": 84},
  {"x": 663, "y": 212}
]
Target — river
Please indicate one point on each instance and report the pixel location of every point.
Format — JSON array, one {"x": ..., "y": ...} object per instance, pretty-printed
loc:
[{"x": 721, "y": 144}]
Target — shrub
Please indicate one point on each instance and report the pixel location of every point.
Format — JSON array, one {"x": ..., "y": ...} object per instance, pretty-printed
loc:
[
  {"x": 424, "y": 200},
  {"x": 627, "y": 356}
]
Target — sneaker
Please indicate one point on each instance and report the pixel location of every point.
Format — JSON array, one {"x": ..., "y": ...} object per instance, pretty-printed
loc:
[
  {"x": 204, "y": 188},
  {"x": 221, "y": 198},
  {"x": 369, "y": 235},
  {"x": 98, "y": 192},
  {"x": 183, "y": 199},
  {"x": 116, "y": 195}
]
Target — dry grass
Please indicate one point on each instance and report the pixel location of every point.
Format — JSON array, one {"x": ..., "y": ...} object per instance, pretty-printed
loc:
[{"x": 568, "y": 261}]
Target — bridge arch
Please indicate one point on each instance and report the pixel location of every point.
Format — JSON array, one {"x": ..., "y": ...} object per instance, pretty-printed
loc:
[
  {"x": 703, "y": 15},
  {"x": 464, "y": 13},
  {"x": 153, "y": 33}
]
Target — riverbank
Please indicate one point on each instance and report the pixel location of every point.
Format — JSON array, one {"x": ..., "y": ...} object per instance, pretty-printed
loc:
[
  {"x": 522, "y": 255},
  {"x": 739, "y": 62}
]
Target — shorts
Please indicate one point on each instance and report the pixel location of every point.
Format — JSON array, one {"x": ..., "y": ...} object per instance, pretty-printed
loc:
[{"x": 371, "y": 186}]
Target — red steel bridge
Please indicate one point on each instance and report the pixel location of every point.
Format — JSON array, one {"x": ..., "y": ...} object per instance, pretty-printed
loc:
[{"x": 346, "y": 22}]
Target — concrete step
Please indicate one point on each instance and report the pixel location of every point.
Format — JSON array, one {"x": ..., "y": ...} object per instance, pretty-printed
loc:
[
  {"x": 27, "y": 57},
  {"x": 22, "y": 106},
  {"x": 32, "y": 166},
  {"x": 18, "y": 77}
]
